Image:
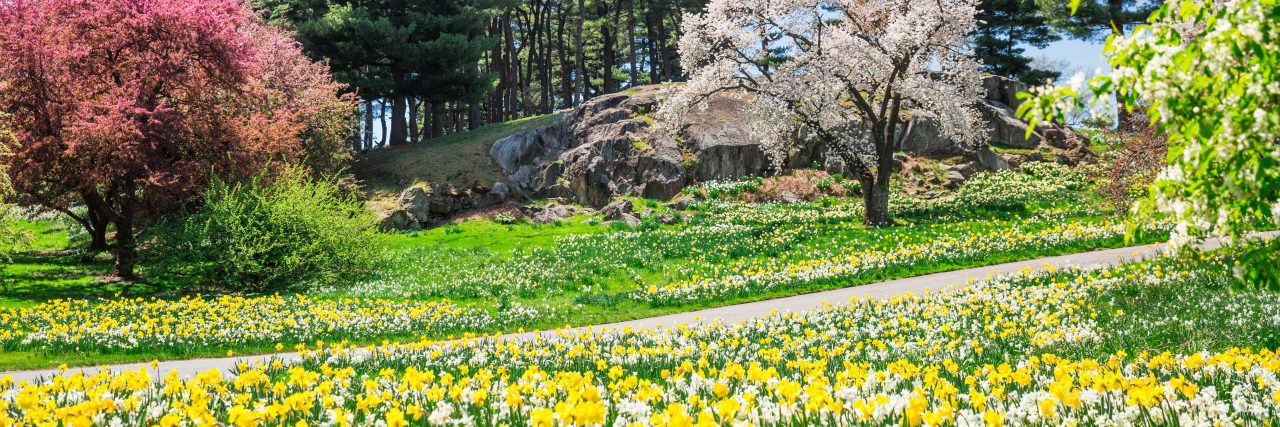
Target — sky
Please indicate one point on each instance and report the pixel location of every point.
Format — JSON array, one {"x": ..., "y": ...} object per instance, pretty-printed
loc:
[{"x": 1083, "y": 56}]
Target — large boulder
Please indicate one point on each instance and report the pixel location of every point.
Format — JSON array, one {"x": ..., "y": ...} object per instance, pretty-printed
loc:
[
  {"x": 616, "y": 209},
  {"x": 1003, "y": 90},
  {"x": 1005, "y": 128},
  {"x": 924, "y": 138},
  {"x": 607, "y": 148},
  {"x": 527, "y": 146},
  {"x": 415, "y": 201},
  {"x": 421, "y": 205}
]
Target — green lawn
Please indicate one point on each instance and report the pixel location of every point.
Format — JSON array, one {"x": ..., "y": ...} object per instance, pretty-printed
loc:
[{"x": 580, "y": 271}]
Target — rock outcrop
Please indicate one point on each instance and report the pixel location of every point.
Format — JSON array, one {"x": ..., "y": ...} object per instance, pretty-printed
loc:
[
  {"x": 420, "y": 206},
  {"x": 607, "y": 148}
]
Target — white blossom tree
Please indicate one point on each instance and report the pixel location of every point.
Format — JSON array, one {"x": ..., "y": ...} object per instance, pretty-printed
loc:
[
  {"x": 1207, "y": 72},
  {"x": 849, "y": 73}
]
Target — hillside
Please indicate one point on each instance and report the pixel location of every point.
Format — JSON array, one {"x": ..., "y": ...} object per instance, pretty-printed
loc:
[{"x": 459, "y": 158}]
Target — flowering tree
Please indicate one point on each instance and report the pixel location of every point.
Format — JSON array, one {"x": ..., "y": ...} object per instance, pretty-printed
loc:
[
  {"x": 130, "y": 106},
  {"x": 847, "y": 72},
  {"x": 1207, "y": 72}
]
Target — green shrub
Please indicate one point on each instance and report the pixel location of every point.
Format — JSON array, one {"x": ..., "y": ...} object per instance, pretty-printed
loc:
[{"x": 284, "y": 233}]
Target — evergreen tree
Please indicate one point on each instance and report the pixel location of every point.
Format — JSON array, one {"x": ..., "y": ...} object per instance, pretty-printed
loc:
[
  {"x": 1007, "y": 26},
  {"x": 401, "y": 51}
]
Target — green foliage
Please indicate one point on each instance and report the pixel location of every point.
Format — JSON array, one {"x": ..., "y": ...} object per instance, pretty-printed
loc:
[
  {"x": 11, "y": 236},
  {"x": 270, "y": 235},
  {"x": 1008, "y": 25},
  {"x": 1207, "y": 72}
]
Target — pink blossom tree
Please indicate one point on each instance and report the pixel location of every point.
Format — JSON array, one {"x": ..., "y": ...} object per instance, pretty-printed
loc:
[
  {"x": 847, "y": 72},
  {"x": 130, "y": 106}
]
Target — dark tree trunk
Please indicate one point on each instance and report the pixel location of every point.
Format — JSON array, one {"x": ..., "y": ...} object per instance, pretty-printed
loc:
[
  {"x": 548, "y": 38},
  {"x": 566, "y": 67},
  {"x": 609, "y": 56},
  {"x": 631, "y": 44},
  {"x": 95, "y": 221},
  {"x": 581, "y": 70},
  {"x": 368, "y": 124},
  {"x": 663, "y": 52},
  {"x": 126, "y": 246},
  {"x": 382, "y": 120},
  {"x": 399, "y": 129},
  {"x": 473, "y": 116},
  {"x": 875, "y": 201},
  {"x": 651, "y": 26},
  {"x": 413, "y": 120},
  {"x": 437, "y": 119},
  {"x": 98, "y": 231}
]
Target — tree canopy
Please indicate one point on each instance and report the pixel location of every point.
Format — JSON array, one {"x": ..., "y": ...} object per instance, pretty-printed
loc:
[
  {"x": 1206, "y": 72},
  {"x": 846, "y": 72},
  {"x": 130, "y": 106},
  {"x": 1007, "y": 27}
]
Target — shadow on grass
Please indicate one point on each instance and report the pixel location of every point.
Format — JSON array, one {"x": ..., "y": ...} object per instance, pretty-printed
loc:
[{"x": 35, "y": 277}]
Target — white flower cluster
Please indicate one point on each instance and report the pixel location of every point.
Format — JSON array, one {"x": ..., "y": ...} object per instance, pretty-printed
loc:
[{"x": 843, "y": 71}]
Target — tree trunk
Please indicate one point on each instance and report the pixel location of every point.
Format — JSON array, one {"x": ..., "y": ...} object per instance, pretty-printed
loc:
[
  {"x": 437, "y": 119},
  {"x": 631, "y": 44},
  {"x": 652, "y": 45},
  {"x": 547, "y": 41},
  {"x": 368, "y": 124},
  {"x": 382, "y": 120},
  {"x": 1122, "y": 113},
  {"x": 581, "y": 71},
  {"x": 875, "y": 201},
  {"x": 413, "y": 120},
  {"x": 399, "y": 129},
  {"x": 664, "y": 56},
  {"x": 473, "y": 116},
  {"x": 126, "y": 246},
  {"x": 95, "y": 221},
  {"x": 98, "y": 231},
  {"x": 608, "y": 37},
  {"x": 566, "y": 67}
]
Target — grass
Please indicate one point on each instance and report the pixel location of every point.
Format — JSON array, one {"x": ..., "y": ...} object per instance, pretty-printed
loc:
[
  {"x": 459, "y": 158},
  {"x": 581, "y": 271}
]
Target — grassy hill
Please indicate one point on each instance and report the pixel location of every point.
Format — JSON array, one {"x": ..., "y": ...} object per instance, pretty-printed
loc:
[{"x": 460, "y": 158}]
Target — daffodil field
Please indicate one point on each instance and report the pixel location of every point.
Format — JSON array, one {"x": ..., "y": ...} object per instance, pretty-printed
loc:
[
  {"x": 725, "y": 252},
  {"x": 196, "y": 322},
  {"x": 1057, "y": 347}
]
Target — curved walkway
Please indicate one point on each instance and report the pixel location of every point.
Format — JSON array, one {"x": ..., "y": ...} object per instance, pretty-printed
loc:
[{"x": 725, "y": 314}]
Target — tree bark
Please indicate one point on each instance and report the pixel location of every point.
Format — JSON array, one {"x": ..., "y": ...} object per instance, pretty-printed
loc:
[
  {"x": 95, "y": 221},
  {"x": 382, "y": 120},
  {"x": 651, "y": 26},
  {"x": 631, "y": 44},
  {"x": 413, "y": 120},
  {"x": 368, "y": 124},
  {"x": 473, "y": 116},
  {"x": 566, "y": 67},
  {"x": 126, "y": 246},
  {"x": 581, "y": 71},
  {"x": 437, "y": 119},
  {"x": 608, "y": 37},
  {"x": 875, "y": 201},
  {"x": 399, "y": 134}
]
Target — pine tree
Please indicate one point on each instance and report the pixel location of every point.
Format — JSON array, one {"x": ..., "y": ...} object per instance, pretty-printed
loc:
[{"x": 1007, "y": 26}]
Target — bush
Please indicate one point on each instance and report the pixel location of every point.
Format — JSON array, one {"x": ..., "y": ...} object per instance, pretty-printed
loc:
[
  {"x": 1135, "y": 164},
  {"x": 276, "y": 234}
]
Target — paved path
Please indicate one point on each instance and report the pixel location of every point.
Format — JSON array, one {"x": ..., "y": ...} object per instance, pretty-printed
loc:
[{"x": 732, "y": 313}]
